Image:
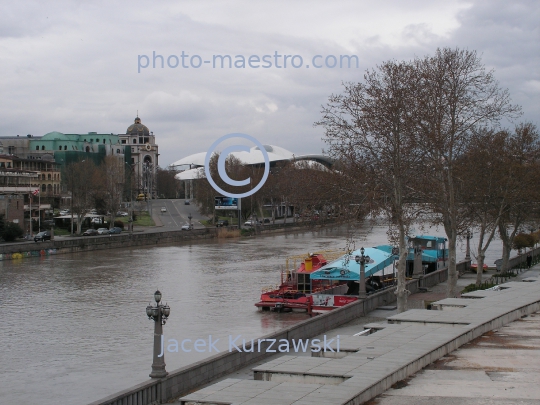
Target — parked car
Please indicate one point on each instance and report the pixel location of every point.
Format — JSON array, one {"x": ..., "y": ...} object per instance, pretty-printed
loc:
[
  {"x": 97, "y": 220},
  {"x": 115, "y": 230},
  {"x": 64, "y": 212},
  {"x": 122, "y": 214},
  {"x": 163, "y": 209},
  {"x": 42, "y": 236},
  {"x": 186, "y": 202},
  {"x": 103, "y": 231},
  {"x": 187, "y": 227},
  {"x": 90, "y": 232},
  {"x": 266, "y": 220},
  {"x": 252, "y": 222},
  {"x": 222, "y": 222}
]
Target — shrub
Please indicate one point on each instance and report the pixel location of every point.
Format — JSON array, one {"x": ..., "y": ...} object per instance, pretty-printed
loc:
[
  {"x": 523, "y": 240},
  {"x": 11, "y": 232},
  {"x": 474, "y": 287},
  {"x": 119, "y": 224}
]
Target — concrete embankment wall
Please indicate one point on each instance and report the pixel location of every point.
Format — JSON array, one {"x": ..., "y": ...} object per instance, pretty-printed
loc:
[
  {"x": 127, "y": 240},
  {"x": 187, "y": 379},
  {"x": 90, "y": 243}
]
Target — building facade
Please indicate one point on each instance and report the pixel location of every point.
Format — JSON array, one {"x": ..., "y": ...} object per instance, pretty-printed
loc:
[
  {"x": 50, "y": 154},
  {"x": 143, "y": 155}
]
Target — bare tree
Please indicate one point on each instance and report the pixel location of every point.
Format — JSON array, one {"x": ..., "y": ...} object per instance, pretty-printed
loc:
[
  {"x": 521, "y": 181},
  {"x": 455, "y": 96},
  {"x": 483, "y": 171},
  {"x": 111, "y": 180},
  {"x": 369, "y": 127},
  {"x": 81, "y": 180}
]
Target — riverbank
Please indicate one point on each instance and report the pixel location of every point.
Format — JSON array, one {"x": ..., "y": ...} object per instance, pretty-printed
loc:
[{"x": 137, "y": 239}]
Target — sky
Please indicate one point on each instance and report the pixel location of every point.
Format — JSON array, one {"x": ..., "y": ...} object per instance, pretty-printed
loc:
[{"x": 77, "y": 67}]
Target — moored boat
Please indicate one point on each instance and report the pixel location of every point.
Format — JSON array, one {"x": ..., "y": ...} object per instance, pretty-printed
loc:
[{"x": 319, "y": 285}]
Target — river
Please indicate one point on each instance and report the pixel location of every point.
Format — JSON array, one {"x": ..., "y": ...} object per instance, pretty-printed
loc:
[{"x": 74, "y": 327}]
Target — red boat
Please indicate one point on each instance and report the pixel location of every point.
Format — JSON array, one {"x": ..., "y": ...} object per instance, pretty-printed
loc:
[{"x": 296, "y": 291}]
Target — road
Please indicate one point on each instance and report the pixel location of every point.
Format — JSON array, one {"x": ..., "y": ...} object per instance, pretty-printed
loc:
[{"x": 177, "y": 214}]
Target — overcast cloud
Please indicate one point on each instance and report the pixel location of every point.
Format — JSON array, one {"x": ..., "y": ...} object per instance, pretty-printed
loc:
[{"x": 72, "y": 67}]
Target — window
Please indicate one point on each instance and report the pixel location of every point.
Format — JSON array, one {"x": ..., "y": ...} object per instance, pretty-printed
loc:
[
  {"x": 134, "y": 140},
  {"x": 145, "y": 140},
  {"x": 43, "y": 188},
  {"x": 97, "y": 140},
  {"x": 117, "y": 150},
  {"x": 43, "y": 147},
  {"x": 123, "y": 141},
  {"x": 140, "y": 139},
  {"x": 91, "y": 140},
  {"x": 88, "y": 148},
  {"x": 65, "y": 147},
  {"x": 60, "y": 148},
  {"x": 49, "y": 188},
  {"x": 49, "y": 176},
  {"x": 37, "y": 147},
  {"x": 132, "y": 161},
  {"x": 104, "y": 141}
]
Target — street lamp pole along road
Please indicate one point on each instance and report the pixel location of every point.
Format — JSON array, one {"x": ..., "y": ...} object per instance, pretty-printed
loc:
[
  {"x": 159, "y": 314},
  {"x": 361, "y": 260}
]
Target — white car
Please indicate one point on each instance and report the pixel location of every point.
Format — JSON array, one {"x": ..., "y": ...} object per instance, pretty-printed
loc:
[
  {"x": 163, "y": 209},
  {"x": 187, "y": 227},
  {"x": 252, "y": 222},
  {"x": 97, "y": 220},
  {"x": 122, "y": 214},
  {"x": 64, "y": 212},
  {"x": 103, "y": 231}
]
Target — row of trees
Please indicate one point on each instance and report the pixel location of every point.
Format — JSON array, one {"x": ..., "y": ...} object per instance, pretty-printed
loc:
[
  {"x": 92, "y": 186},
  {"x": 422, "y": 138},
  {"x": 304, "y": 185},
  {"x": 105, "y": 186}
]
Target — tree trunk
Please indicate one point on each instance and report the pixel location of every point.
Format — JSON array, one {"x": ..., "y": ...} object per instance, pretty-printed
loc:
[
  {"x": 452, "y": 290},
  {"x": 480, "y": 268},
  {"x": 401, "y": 292},
  {"x": 507, "y": 247}
]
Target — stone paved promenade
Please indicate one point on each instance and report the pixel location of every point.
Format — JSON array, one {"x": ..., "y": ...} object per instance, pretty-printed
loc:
[{"x": 393, "y": 351}]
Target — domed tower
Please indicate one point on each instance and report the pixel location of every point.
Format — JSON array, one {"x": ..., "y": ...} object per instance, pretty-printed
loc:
[
  {"x": 138, "y": 129},
  {"x": 144, "y": 155}
]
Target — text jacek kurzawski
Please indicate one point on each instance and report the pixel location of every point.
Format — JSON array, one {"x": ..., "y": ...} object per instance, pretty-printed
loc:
[{"x": 253, "y": 345}]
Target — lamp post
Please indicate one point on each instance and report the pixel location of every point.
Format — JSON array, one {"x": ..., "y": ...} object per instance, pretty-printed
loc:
[
  {"x": 189, "y": 217},
  {"x": 468, "y": 251},
  {"x": 159, "y": 315},
  {"x": 130, "y": 220},
  {"x": 361, "y": 260}
]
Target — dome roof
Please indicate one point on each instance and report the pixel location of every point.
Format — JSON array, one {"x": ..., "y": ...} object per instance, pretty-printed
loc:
[
  {"x": 55, "y": 135},
  {"x": 137, "y": 128}
]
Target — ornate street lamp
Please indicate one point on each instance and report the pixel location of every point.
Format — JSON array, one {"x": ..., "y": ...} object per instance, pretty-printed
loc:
[
  {"x": 159, "y": 315},
  {"x": 361, "y": 260},
  {"x": 468, "y": 251}
]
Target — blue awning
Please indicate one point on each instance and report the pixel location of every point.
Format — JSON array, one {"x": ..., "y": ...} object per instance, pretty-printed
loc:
[{"x": 346, "y": 268}]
